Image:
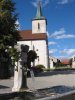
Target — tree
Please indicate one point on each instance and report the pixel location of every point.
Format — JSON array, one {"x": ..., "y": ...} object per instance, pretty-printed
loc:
[
  {"x": 31, "y": 56},
  {"x": 70, "y": 62},
  {"x": 8, "y": 34}
]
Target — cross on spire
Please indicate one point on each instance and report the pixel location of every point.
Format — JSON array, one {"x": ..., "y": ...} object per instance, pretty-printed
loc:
[{"x": 39, "y": 10}]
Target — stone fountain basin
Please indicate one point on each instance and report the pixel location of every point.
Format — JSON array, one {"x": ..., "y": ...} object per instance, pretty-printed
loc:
[
  {"x": 21, "y": 95},
  {"x": 56, "y": 93},
  {"x": 52, "y": 93}
]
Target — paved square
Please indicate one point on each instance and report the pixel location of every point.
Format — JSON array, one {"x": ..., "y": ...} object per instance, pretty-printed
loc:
[{"x": 43, "y": 80}]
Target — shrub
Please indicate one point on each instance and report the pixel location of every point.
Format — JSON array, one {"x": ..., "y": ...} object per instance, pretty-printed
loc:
[{"x": 40, "y": 66}]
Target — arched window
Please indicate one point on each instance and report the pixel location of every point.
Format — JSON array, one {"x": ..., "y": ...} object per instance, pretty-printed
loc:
[{"x": 38, "y": 26}]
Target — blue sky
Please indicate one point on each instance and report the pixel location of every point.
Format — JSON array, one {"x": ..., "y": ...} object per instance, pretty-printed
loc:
[{"x": 60, "y": 15}]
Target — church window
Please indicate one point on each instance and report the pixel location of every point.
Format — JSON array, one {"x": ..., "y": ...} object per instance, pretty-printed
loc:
[
  {"x": 36, "y": 49},
  {"x": 38, "y": 26}
]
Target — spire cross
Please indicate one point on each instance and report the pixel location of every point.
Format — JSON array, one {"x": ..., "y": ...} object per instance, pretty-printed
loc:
[{"x": 39, "y": 10}]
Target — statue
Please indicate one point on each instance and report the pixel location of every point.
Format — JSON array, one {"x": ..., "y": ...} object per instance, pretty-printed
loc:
[{"x": 20, "y": 72}]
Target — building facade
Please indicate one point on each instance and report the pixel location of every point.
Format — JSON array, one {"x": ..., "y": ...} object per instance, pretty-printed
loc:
[
  {"x": 52, "y": 61},
  {"x": 73, "y": 62},
  {"x": 36, "y": 38}
]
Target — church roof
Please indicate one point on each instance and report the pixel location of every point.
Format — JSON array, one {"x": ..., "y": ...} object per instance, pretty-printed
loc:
[
  {"x": 27, "y": 35},
  {"x": 39, "y": 11}
]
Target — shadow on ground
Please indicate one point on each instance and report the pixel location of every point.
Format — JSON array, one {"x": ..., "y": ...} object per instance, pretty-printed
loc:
[
  {"x": 49, "y": 73},
  {"x": 3, "y": 87}
]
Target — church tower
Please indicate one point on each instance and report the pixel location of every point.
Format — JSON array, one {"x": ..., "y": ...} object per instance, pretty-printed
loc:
[{"x": 39, "y": 23}]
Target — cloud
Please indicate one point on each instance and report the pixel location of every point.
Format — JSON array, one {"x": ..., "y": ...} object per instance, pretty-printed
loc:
[
  {"x": 61, "y": 34},
  {"x": 68, "y": 52},
  {"x": 17, "y": 25},
  {"x": 52, "y": 51},
  {"x": 65, "y": 36},
  {"x": 63, "y": 2},
  {"x": 47, "y": 33},
  {"x": 34, "y": 4},
  {"x": 46, "y": 2},
  {"x": 43, "y": 3},
  {"x": 63, "y": 57},
  {"x": 52, "y": 43}
]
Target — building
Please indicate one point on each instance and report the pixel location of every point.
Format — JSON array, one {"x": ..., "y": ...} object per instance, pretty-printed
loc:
[
  {"x": 36, "y": 38},
  {"x": 73, "y": 62},
  {"x": 65, "y": 61},
  {"x": 53, "y": 61}
]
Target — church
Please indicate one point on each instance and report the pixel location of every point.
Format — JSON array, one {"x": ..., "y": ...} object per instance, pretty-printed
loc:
[{"x": 36, "y": 38}]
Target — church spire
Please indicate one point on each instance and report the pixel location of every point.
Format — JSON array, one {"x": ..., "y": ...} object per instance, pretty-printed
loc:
[
  {"x": 39, "y": 10},
  {"x": 39, "y": 22}
]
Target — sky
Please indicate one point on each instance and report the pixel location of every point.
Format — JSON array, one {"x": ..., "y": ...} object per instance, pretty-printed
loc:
[{"x": 60, "y": 15}]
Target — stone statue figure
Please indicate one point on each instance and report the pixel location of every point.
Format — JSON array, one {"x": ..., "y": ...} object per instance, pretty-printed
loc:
[{"x": 20, "y": 71}]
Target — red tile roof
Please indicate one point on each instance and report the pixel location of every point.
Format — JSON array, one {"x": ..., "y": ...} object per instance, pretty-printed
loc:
[
  {"x": 27, "y": 35},
  {"x": 65, "y": 61}
]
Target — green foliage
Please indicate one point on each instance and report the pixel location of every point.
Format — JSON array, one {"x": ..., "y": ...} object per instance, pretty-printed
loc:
[
  {"x": 46, "y": 69},
  {"x": 70, "y": 62},
  {"x": 58, "y": 64},
  {"x": 14, "y": 54},
  {"x": 40, "y": 66},
  {"x": 31, "y": 56},
  {"x": 8, "y": 33}
]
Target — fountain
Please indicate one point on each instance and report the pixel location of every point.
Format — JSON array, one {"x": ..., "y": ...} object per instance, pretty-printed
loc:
[
  {"x": 20, "y": 90},
  {"x": 20, "y": 71}
]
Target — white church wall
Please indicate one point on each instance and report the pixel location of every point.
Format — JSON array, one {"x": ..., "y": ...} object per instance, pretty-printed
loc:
[
  {"x": 40, "y": 47},
  {"x": 25, "y": 43},
  {"x": 41, "y": 50}
]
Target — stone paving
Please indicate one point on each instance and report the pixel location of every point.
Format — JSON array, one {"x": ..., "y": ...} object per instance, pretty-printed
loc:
[{"x": 43, "y": 80}]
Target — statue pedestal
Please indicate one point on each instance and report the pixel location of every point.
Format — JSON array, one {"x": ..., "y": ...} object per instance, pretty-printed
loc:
[
  {"x": 17, "y": 76},
  {"x": 20, "y": 72},
  {"x": 20, "y": 78}
]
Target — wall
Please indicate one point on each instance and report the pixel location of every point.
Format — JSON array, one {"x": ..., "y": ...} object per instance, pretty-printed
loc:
[
  {"x": 52, "y": 60},
  {"x": 40, "y": 46},
  {"x": 42, "y": 26}
]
